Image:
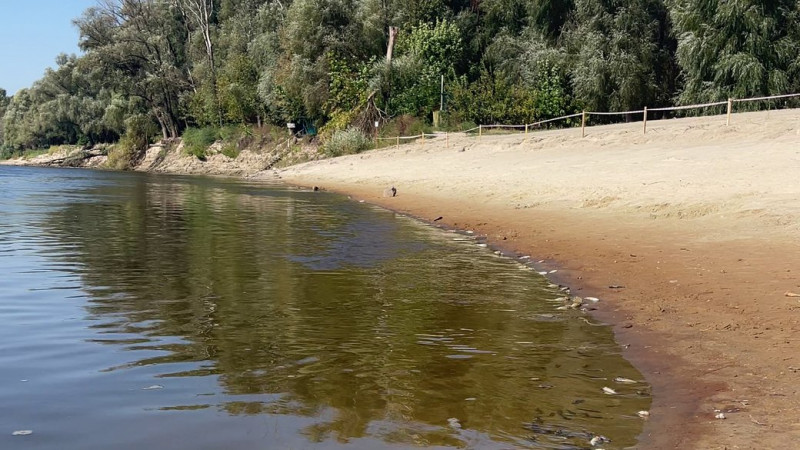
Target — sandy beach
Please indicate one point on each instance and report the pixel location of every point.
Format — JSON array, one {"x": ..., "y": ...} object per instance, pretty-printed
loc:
[{"x": 689, "y": 235}]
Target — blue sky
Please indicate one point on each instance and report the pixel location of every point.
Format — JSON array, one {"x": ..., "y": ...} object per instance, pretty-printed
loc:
[{"x": 32, "y": 34}]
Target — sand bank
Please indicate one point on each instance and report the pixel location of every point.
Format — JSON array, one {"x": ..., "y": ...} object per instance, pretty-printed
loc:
[{"x": 697, "y": 222}]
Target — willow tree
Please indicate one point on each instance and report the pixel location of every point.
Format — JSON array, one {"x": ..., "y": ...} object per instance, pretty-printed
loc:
[
  {"x": 737, "y": 48},
  {"x": 620, "y": 54},
  {"x": 315, "y": 29},
  {"x": 140, "y": 47}
]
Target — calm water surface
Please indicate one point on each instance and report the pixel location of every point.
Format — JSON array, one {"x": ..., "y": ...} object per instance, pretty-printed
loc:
[{"x": 139, "y": 311}]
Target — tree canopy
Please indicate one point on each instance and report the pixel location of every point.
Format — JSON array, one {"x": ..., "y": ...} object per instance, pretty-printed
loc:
[{"x": 192, "y": 63}]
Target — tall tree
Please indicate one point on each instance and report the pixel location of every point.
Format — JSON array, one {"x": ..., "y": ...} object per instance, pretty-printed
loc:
[
  {"x": 619, "y": 57},
  {"x": 140, "y": 46},
  {"x": 737, "y": 48},
  {"x": 4, "y": 101},
  {"x": 200, "y": 18}
]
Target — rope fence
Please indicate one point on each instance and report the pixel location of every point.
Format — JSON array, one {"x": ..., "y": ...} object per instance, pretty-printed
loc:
[{"x": 584, "y": 115}]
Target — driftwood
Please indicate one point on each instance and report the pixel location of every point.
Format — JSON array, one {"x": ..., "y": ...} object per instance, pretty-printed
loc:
[{"x": 73, "y": 160}]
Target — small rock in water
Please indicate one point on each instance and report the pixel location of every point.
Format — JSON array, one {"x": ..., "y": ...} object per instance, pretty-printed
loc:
[
  {"x": 624, "y": 380},
  {"x": 643, "y": 414},
  {"x": 597, "y": 440},
  {"x": 553, "y": 271},
  {"x": 153, "y": 387},
  {"x": 309, "y": 360},
  {"x": 609, "y": 391},
  {"x": 720, "y": 416},
  {"x": 470, "y": 399},
  {"x": 22, "y": 433},
  {"x": 592, "y": 299},
  {"x": 454, "y": 423}
]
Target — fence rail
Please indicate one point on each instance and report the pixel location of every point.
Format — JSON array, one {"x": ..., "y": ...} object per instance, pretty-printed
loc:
[{"x": 584, "y": 115}]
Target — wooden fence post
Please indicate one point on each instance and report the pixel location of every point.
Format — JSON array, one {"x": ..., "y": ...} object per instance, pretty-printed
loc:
[
  {"x": 526, "y": 129},
  {"x": 645, "y": 120},
  {"x": 446, "y": 139},
  {"x": 583, "y": 124},
  {"x": 398, "y": 142},
  {"x": 480, "y": 130},
  {"x": 730, "y": 104},
  {"x": 423, "y": 138}
]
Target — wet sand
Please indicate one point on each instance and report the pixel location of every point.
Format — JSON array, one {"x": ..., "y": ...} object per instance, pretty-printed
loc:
[{"x": 689, "y": 235}]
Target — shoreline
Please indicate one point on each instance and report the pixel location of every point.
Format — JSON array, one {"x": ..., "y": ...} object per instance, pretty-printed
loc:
[{"x": 705, "y": 262}]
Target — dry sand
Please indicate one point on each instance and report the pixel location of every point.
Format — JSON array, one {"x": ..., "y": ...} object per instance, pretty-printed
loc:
[{"x": 698, "y": 222}]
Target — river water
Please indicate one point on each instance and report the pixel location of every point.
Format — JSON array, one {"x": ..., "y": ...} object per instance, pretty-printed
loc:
[{"x": 142, "y": 311}]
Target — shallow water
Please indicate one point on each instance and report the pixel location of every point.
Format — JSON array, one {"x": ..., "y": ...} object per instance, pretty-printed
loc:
[{"x": 175, "y": 312}]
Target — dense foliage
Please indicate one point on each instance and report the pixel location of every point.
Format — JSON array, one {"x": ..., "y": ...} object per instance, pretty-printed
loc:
[{"x": 173, "y": 65}]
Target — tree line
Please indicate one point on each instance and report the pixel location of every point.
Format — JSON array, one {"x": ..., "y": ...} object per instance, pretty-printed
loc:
[{"x": 153, "y": 68}]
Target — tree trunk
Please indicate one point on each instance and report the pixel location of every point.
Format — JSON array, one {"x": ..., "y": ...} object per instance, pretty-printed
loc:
[{"x": 390, "y": 48}]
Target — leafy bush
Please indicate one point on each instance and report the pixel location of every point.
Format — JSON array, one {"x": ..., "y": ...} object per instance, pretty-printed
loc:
[
  {"x": 494, "y": 100},
  {"x": 139, "y": 129},
  {"x": 230, "y": 150},
  {"x": 345, "y": 142},
  {"x": 121, "y": 154},
  {"x": 405, "y": 125},
  {"x": 197, "y": 140},
  {"x": 7, "y": 153}
]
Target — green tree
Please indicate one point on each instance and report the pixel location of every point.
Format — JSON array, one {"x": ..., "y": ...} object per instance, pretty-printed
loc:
[
  {"x": 737, "y": 48},
  {"x": 620, "y": 54},
  {"x": 427, "y": 52},
  {"x": 140, "y": 47},
  {"x": 4, "y": 101}
]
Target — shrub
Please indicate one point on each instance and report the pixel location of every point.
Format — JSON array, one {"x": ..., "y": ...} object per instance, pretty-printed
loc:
[
  {"x": 121, "y": 154},
  {"x": 139, "y": 129},
  {"x": 405, "y": 125},
  {"x": 231, "y": 150},
  {"x": 7, "y": 153},
  {"x": 197, "y": 140},
  {"x": 345, "y": 142}
]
